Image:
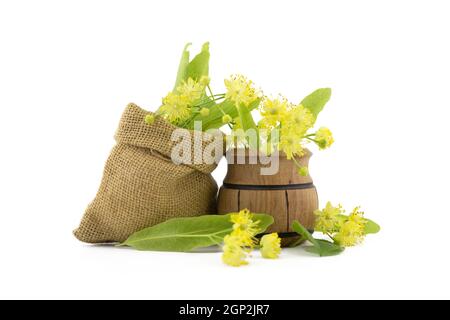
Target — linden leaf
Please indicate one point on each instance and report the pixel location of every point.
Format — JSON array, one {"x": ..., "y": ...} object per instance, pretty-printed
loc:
[
  {"x": 325, "y": 248},
  {"x": 187, "y": 234},
  {"x": 371, "y": 227},
  {"x": 320, "y": 247}
]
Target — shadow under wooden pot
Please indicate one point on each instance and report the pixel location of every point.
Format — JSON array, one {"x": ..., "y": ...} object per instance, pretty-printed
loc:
[{"x": 285, "y": 195}]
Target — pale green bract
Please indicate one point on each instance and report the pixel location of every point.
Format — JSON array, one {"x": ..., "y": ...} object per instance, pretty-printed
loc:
[
  {"x": 317, "y": 100},
  {"x": 187, "y": 234}
]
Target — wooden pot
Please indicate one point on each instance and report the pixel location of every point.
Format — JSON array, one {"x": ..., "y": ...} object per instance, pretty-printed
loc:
[{"x": 286, "y": 195}]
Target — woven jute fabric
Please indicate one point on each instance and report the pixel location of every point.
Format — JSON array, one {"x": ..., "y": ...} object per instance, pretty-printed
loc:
[{"x": 142, "y": 186}]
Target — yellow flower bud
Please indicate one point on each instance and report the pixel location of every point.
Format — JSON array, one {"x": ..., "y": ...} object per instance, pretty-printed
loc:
[
  {"x": 227, "y": 118},
  {"x": 204, "y": 80},
  {"x": 204, "y": 112},
  {"x": 149, "y": 119},
  {"x": 303, "y": 171}
]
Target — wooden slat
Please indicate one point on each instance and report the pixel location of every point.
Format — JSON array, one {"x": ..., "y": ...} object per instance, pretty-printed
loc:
[
  {"x": 270, "y": 202},
  {"x": 302, "y": 204},
  {"x": 228, "y": 201}
]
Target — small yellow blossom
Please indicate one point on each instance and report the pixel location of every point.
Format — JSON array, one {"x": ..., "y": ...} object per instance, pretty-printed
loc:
[
  {"x": 270, "y": 246},
  {"x": 357, "y": 216},
  {"x": 324, "y": 138},
  {"x": 243, "y": 221},
  {"x": 299, "y": 119},
  {"x": 149, "y": 119},
  {"x": 233, "y": 253},
  {"x": 239, "y": 243},
  {"x": 272, "y": 111},
  {"x": 190, "y": 90},
  {"x": 328, "y": 219},
  {"x": 240, "y": 90},
  {"x": 204, "y": 112},
  {"x": 350, "y": 234},
  {"x": 174, "y": 108},
  {"x": 290, "y": 143},
  {"x": 227, "y": 118}
]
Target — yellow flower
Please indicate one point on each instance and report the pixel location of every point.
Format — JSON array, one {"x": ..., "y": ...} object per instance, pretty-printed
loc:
[
  {"x": 243, "y": 221},
  {"x": 290, "y": 143},
  {"x": 149, "y": 119},
  {"x": 270, "y": 246},
  {"x": 175, "y": 107},
  {"x": 324, "y": 138},
  {"x": 328, "y": 220},
  {"x": 350, "y": 234},
  {"x": 233, "y": 253},
  {"x": 240, "y": 90},
  {"x": 357, "y": 216},
  {"x": 204, "y": 112},
  {"x": 272, "y": 111},
  {"x": 299, "y": 119},
  {"x": 190, "y": 90},
  {"x": 239, "y": 243}
]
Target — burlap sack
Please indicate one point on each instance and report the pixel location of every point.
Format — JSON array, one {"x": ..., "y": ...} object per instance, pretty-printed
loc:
[{"x": 141, "y": 185}]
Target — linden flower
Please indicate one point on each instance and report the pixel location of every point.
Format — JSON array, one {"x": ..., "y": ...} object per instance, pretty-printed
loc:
[
  {"x": 327, "y": 220},
  {"x": 272, "y": 111},
  {"x": 299, "y": 118},
  {"x": 357, "y": 216},
  {"x": 324, "y": 138},
  {"x": 240, "y": 90},
  {"x": 290, "y": 143},
  {"x": 190, "y": 90},
  {"x": 233, "y": 253},
  {"x": 175, "y": 107},
  {"x": 350, "y": 234},
  {"x": 243, "y": 221},
  {"x": 270, "y": 246}
]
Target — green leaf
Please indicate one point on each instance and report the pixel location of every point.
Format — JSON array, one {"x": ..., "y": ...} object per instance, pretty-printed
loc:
[
  {"x": 317, "y": 100},
  {"x": 199, "y": 66},
  {"x": 182, "y": 68},
  {"x": 371, "y": 227},
  {"x": 216, "y": 112},
  {"x": 325, "y": 248},
  {"x": 321, "y": 247},
  {"x": 187, "y": 234},
  {"x": 245, "y": 115},
  {"x": 301, "y": 230}
]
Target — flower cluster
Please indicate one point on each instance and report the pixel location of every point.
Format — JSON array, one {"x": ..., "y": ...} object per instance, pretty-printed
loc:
[
  {"x": 283, "y": 126},
  {"x": 347, "y": 231},
  {"x": 292, "y": 123},
  {"x": 241, "y": 241},
  {"x": 180, "y": 104}
]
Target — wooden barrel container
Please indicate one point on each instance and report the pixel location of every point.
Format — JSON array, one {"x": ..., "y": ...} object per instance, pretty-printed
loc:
[{"x": 285, "y": 195}]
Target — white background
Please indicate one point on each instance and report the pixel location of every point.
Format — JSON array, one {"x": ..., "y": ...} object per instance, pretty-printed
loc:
[{"x": 68, "y": 68}]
